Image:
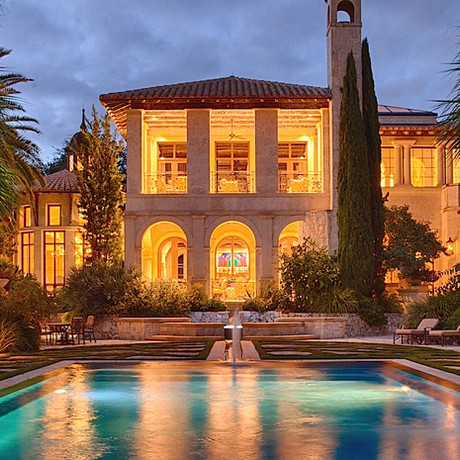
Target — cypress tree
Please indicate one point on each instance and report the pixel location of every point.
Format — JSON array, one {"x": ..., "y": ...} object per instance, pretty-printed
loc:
[
  {"x": 374, "y": 155},
  {"x": 355, "y": 248},
  {"x": 100, "y": 186}
]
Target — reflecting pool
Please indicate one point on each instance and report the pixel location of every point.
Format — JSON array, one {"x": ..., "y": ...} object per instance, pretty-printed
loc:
[{"x": 216, "y": 411}]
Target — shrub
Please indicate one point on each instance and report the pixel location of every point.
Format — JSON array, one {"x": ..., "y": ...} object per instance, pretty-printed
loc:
[
  {"x": 372, "y": 312},
  {"x": 97, "y": 289},
  {"x": 215, "y": 304},
  {"x": 454, "y": 320},
  {"x": 8, "y": 334},
  {"x": 154, "y": 298},
  {"x": 440, "y": 306}
]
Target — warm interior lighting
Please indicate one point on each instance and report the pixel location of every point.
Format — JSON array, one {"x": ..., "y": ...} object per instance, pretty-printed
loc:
[{"x": 450, "y": 247}]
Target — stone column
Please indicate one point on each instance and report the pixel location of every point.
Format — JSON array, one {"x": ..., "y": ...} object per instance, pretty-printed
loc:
[
  {"x": 266, "y": 140},
  {"x": 266, "y": 252},
  {"x": 449, "y": 166},
  {"x": 130, "y": 242},
  {"x": 398, "y": 179},
  {"x": 196, "y": 260},
  {"x": 135, "y": 151},
  {"x": 198, "y": 144},
  {"x": 406, "y": 155},
  {"x": 441, "y": 169}
]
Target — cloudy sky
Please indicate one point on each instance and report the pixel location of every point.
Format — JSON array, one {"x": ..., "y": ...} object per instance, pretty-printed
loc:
[{"x": 76, "y": 50}]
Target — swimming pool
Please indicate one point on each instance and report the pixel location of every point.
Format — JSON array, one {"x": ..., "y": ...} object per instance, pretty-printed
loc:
[{"x": 216, "y": 411}]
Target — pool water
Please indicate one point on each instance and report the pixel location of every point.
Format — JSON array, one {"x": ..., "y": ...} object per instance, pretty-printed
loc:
[{"x": 200, "y": 411}]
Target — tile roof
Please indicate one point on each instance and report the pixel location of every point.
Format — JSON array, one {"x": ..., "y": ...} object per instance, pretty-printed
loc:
[
  {"x": 227, "y": 87},
  {"x": 60, "y": 181}
]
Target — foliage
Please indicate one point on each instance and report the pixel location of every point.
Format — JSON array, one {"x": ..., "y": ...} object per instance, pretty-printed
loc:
[
  {"x": 269, "y": 298},
  {"x": 372, "y": 312},
  {"x": 355, "y": 248},
  {"x": 57, "y": 163},
  {"x": 454, "y": 320},
  {"x": 449, "y": 120},
  {"x": 374, "y": 156},
  {"x": 19, "y": 160},
  {"x": 100, "y": 186},
  {"x": 409, "y": 245},
  {"x": 154, "y": 298},
  {"x": 25, "y": 305},
  {"x": 310, "y": 278},
  {"x": 97, "y": 289},
  {"x": 391, "y": 303},
  {"x": 440, "y": 306}
]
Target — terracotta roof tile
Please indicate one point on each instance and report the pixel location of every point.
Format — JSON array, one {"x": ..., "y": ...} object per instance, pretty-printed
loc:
[
  {"x": 60, "y": 181},
  {"x": 228, "y": 87}
]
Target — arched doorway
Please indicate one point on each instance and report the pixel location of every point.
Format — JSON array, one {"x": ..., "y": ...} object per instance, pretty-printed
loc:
[
  {"x": 232, "y": 261},
  {"x": 164, "y": 252},
  {"x": 290, "y": 237}
]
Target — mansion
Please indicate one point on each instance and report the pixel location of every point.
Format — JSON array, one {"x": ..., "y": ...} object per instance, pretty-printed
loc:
[{"x": 226, "y": 173}]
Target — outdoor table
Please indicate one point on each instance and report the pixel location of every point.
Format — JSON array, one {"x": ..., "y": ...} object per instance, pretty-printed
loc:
[{"x": 60, "y": 332}]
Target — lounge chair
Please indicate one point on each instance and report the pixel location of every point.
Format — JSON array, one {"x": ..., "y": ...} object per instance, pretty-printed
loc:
[
  {"x": 418, "y": 335},
  {"x": 443, "y": 336}
]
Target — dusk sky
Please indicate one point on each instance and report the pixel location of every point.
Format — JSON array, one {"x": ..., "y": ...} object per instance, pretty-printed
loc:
[{"x": 76, "y": 50}]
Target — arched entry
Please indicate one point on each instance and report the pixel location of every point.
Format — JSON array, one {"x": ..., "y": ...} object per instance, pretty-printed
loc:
[
  {"x": 290, "y": 237},
  {"x": 164, "y": 252},
  {"x": 232, "y": 250}
]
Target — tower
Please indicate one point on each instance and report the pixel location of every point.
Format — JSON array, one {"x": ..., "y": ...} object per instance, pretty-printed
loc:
[{"x": 343, "y": 35}]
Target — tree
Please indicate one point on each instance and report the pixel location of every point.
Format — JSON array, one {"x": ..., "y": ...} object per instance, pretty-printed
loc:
[
  {"x": 449, "y": 120},
  {"x": 355, "y": 248},
  {"x": 57, "y": 163},
  {"x": 99, "y": 183},
  {"x": 410, "y": 245},
  {"x": 374, "y": 156},
  {"x": 19, "y": 161}
]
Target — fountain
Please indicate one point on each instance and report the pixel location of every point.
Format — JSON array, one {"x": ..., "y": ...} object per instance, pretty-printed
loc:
[{"x": 233, "y": 332}]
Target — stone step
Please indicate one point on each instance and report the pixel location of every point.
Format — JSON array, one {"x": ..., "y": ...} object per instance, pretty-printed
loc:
[
  {"x": 183, "y": 338},
  {"x": 280, "y": 338}
]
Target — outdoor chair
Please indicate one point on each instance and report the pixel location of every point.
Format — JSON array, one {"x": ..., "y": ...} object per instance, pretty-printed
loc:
[
  {"x": 77, "y": 330},
  {"x": 418, "y": 335},
  {"x": 446, "y": 335},
  {"x": 88, "y": 332}
]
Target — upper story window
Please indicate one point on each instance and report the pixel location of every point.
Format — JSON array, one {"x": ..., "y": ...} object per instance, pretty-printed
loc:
[
  {"x": 294, "y": 173},
  {"x": 53, "y": 214},
  {"x": 26, "y": 216},
  {"x": 388, "y": 167},
  {"x": 424, "y": 166},
  {"x": 232, "y": 168},
  {"x": 171, "y": 174}
]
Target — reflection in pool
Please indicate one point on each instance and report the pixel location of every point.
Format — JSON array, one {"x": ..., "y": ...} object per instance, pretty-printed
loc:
[{"x": 188, "y": 411}]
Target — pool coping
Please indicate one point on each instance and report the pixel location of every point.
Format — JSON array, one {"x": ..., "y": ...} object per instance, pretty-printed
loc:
[{"x": 21, "y": 381}]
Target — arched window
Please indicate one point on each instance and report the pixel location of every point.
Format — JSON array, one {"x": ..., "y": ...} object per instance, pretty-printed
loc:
[{"x": 345, "y": 12}]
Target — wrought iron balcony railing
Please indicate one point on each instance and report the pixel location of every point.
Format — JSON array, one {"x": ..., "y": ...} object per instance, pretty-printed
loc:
[
  {"x": 165, "y": 183},
  {"x": 232, "y": 182},
  {"x": 299, "y": 182}
]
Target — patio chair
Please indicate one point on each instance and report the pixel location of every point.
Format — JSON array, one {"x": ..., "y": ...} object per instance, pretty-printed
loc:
[
  {"x": 418, "y": 335},
  {"x": 444, "y": 336},
  {"x": 77, "y": 329},
  {"x": 88, "y": 332}
]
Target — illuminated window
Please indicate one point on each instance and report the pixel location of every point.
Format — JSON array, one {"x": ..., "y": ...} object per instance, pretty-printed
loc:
[
  {"x": 54, "y": 260},
  {"x": 27, "y": 252},
  {"x": 232, "y": 256},
  {"x": 232, "y": 172},
  {"x": 173, "y": 258},
  {"x": 81, "y": 219},
  {"x": 292, "y": 167},
  {"x": 172, "y": 167},
  {"x": 54, "y": 214},
  {"x": 26, "y": 216},
  {"x": 388, "y": 168},
  {"x": 456, "y": 168},
  {"x": 82, "y": 249},
  {"x": 424, "y": 167}
]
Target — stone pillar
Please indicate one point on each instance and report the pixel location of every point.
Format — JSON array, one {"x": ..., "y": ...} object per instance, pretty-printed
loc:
[
  {"x": 196, "y": 255},
  {"x": 449, "y": 166},
  {"x": 266, "y": 140},
  {"x": 130, "y": 242},
  {"x": 441, "y": 169},
  {"x": 135, "y": 151},
  {"x": 398, "y": 179},
  {"x": 405, "y": 146},
  {"x": 198, "y": 145},
  {"x": 266, "y": 267}
]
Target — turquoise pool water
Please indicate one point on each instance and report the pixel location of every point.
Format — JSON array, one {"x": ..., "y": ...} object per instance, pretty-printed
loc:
[{"x": 200, "y": 411}]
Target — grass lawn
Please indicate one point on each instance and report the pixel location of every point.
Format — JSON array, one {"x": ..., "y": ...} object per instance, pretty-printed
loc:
[
  {"x": 446, "y": 360},
  {"x": 12, "y": 364}
]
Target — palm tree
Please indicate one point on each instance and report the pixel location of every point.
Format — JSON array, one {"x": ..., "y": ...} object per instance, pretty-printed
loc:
[
  {"x": 450, "y": 112},
  {"x": 19, "y": 160}
]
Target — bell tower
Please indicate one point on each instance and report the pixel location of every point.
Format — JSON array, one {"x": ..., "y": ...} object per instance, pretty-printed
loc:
[{"x": 343, "y": 35}]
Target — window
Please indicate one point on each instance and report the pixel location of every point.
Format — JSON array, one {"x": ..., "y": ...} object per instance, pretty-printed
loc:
[
  {"x": 27, "y": 252},
  {"x": 172, "y": 168},
  {"x": 388, "y": 167},
  {"x": 54, "y": 214},
  {"x": 232, "y": 167},
  {"x": 423, "y": 167},
  {"x": 82, "y": 249},
  {"x": 26, "y": 216},
  {"x": 54, "y": 260}
]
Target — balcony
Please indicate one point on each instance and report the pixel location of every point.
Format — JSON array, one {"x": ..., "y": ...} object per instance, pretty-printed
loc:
[
  {"x": 299, "y": 182},
  {"x": 232, "y": 182},
  {"x": 158, "y": 183}
]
